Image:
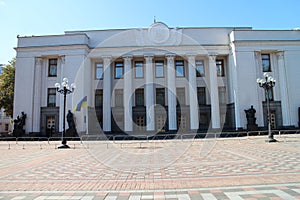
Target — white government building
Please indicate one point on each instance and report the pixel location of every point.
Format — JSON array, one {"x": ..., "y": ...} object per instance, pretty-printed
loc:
[{"x": 146, "y": 80}]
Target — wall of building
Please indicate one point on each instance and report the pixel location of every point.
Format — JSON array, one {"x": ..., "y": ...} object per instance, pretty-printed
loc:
[{"x": 78, "y": 51}]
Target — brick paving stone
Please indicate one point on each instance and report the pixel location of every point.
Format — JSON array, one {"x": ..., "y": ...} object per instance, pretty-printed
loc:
[{"x": 179, "y": 166}]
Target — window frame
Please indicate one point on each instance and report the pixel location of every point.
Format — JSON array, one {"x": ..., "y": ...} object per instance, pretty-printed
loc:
[
  {"x": 51, "y": 92},
  {"x": 118, "y": 67},
  {"x": 177, "y": 66},
  {"x": 270, "y": 95},
  {"x": 96, "y": 71},
  {"x": 181, "y": 91},
  {"x": 160, "y": 66},
  {"x": 221, "y": 72},
  {"x": 266, "y": 59},
  {"x": 139, "y": 67},
  {"x": 203, "y": 92},
  {"x": 157, "y": 91},
  {"x": 98, "y": 94},
  {"x": 198, "y": 73},
  {"x": 51, "y": 65},
  {"x": 119, "y": 97},
  {"x": 139, "y": 92},
  {"x": 222, "y": 93}
]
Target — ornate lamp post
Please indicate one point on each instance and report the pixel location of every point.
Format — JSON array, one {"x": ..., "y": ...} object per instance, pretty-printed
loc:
[
  {"x": 64, "y": 89},
  {"x": 267, "y": 84}
]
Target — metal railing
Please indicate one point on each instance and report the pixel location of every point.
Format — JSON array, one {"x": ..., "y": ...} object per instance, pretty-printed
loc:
[{"x": 77, "y": 142}]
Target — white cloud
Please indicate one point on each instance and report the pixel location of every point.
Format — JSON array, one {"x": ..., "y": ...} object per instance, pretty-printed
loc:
[{"x": 2, "y": 3}]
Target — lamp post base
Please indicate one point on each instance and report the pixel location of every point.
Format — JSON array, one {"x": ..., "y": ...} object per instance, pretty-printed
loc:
[
  {"x": 271, "y": 140},
  {"x": 64, "y": 146}
]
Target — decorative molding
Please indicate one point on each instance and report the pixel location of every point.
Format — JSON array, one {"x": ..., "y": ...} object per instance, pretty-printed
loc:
[
  {"x": 38, "y": 61},
  {"x": 280, "y": 55},
  {"x": 106, "y": 58},
  {"x": 62, "y": 59},
  {"x": 148, "y": 58},
  {"x": 257, "y": 54},
  {"x": 191, "y": 58},
  {"x": 212, "y": 58},
  {"x": 127, "y": 59},
  {"x": 170, "y": 59},
  {"x": 158, "y": 33}
]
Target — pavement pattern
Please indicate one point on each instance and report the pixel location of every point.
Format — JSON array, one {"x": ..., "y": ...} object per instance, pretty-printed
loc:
[{"x": 230, "y": 168}]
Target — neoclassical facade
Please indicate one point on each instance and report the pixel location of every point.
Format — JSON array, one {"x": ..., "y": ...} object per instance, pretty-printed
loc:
[{"x": 158, "y": 79}]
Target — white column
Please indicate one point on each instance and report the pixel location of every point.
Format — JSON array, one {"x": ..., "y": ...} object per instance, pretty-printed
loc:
[
  {"x": 286, "y": 120},
  {"x": 214, "y": 94},
  {"x": 128, "y": 94},
  {"x": 171, "y": 92},
  {"x": 107, "y": 94},
  {"x": 37, "y": 95},
  {"x": 149, "y": 94},
  {"x": 194, "y": 116}
]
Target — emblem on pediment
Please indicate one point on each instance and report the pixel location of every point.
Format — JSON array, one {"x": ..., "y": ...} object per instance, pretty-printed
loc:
[{"x": 158, "y": 32}]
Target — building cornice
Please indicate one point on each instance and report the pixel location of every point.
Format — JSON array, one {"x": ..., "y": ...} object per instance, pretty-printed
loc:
[{"x": 51, "y": 48}]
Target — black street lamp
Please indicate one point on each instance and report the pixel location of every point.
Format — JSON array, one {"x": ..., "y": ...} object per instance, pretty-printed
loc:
[
  {"x": 64, "y": 89},
  {"x": 267, "y": 84}
]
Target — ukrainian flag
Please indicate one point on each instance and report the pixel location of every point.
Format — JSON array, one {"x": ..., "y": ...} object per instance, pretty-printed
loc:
[{"x": 82, "y": 104}]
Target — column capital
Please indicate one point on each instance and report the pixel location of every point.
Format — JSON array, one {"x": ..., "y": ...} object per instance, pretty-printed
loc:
[
  {"x": 106, "y": 58},
  {"x": 191, "y": 57},
  {"x": 280, "y": 54},
  {"x": 127, "y": 57},
  {"x": 62, "y": 59},
  {"x": 38, "y": 61},
  {"x": 212, "y": 57},
  {"x": 257, "y": 53},
  {"x": 171, "y": 56},
  {"x": 148, "y": 58}
]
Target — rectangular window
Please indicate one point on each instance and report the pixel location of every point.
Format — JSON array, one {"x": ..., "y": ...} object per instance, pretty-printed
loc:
[
  {"x": 180, "y": 92},
  {"x": 199, "y": 68},
  {"x": 99, "y": 71},
  {"x": 139, "y": 69},
  {"x": 99, "y": 98},
  {"x": 139, "y": 97},
  {"x": 222, "y": 95},
  {"x": 270, "y": 95},
  {"x": 52, "y": 69},
  {"x": 119, "y": 98},
  {"x": 201, "y": 95},
  {"x": 220, "y": 68},
  {"x": 159, "y": 69},
  {"x": 266, "y": 62},
  {"x": 51, "y": 101},
  {"x": 6, "y": 127},
  {"x": 119, "y": 70},
  {"x": 179, "y": 65},
  {"x": 160, "y": 96}
]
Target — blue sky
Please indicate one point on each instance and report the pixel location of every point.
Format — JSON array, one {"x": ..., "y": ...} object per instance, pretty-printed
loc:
[{"x": 46, "y": 17}]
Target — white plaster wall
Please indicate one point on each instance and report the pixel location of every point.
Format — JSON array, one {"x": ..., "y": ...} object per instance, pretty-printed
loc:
[
  {"x": 23, "y": 95},
  {"x": 292, "y": 60},
  {"x": 247, "y": 87}
]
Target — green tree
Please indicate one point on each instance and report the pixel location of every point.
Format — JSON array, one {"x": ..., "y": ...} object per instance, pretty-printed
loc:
[{"x": 7, "y": 82}]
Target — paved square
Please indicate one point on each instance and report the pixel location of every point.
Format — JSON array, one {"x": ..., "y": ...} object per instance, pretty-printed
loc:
[{"x": 231, "y": 168}]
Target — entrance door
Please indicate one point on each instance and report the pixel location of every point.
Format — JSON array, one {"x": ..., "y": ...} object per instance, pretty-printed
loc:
[
  {"x": 161, "y": 123},
  {"x": 50, "y": 126},
  {"x": 181, "y": 123},
  {"x": 140, "y": 123}
]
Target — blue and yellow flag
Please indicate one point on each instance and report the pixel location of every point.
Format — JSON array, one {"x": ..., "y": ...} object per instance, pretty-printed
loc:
[{"x": 82, "y": 104}]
